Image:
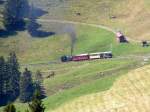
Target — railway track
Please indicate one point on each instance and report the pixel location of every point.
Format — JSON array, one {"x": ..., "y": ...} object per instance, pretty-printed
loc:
[
  {"x": 141, "y": 58},
  {"x": 88, "y": 24}
]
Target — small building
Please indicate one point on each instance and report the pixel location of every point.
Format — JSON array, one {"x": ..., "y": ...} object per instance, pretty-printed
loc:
[{"x": 121, "y": 38}]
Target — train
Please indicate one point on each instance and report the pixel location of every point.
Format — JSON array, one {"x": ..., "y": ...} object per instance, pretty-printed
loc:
[{"x": 87, "y": 56}]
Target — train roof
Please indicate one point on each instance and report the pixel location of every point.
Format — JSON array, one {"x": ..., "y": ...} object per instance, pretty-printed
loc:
[
  {"x": 97, "y": 53},
  {"x": 83, "y": 54},
  {"x": 100, "y": 52},
  {"x": 108, "y": 52}
]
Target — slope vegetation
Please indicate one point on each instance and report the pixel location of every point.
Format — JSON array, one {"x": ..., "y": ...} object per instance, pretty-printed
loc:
[
  {"x": 75, "y": 79},
  {"x": 129, "y": 93},
  {"x": 43, "y": 50},
  {"x": 130, "y": 16},
  {"x": 37, "y": 49}
]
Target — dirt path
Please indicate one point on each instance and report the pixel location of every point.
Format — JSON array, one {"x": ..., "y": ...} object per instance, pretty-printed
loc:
[
  {"x": 80, "y": 23},
  {"x": 72, "y": 22}
]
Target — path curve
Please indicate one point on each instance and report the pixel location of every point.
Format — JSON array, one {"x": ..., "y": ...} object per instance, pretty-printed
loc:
[
  {"x": 81, "y": 23},
  {"x": 93, "y": 25}
]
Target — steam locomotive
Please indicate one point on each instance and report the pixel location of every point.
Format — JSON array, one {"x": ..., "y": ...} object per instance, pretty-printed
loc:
[{"x": 88, "y": 56}]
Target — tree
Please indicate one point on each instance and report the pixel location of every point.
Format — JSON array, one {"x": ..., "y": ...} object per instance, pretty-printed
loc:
[
  {"x": 36, "y": 105},
  {"x": 14, "y": 76},
  {"x": 38, "y": 84},
  {"x": 38, "y": 76},
  {"x": 2, "y": 63},
  {"x": 9, "y": 79},
  {"x": 27, "y": 110},
  {"x": 14, "y": 13},
  {"x": 5, "y": 83},
  {"x": 10, "y": 108},
  {"x": 26, "y": 86}
]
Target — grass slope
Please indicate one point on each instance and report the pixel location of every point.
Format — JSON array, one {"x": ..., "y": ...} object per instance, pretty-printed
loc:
[
  {"x": 72, "y": 82},
  {"x": 89, "y": 39},
  {"x": 132, "y": 16},
  {"x": 73, "y": 79},
  {"x": 129, "y": 93}
]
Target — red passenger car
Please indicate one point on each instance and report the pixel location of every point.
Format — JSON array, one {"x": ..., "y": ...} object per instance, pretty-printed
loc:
[{"x": 80, "y": 57}]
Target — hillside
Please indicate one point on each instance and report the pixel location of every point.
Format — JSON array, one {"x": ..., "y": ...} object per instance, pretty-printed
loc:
[
  {"x": 73, "y": 80},
  {"x": 130, "y": 16},
  {"x": 37, "y": 49},
  {"x": 32, "y": 50},
  {"x": 88, "y": 26},
  {"x": 129, "y": 93}
]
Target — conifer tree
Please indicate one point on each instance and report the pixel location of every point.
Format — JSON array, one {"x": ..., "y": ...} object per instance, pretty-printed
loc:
[
  {"x": 2, "y": 63},
  {"x": 14, "y": 76},
  {"x": 36, "y": 105},
  {"x": 38, "y": 76},
  {"x": 5, "y": 82},
  {"x": 10, "y": 108},
  {"x": 39, "y": 84},
  {"x": 9, "y": 79},
  {"x": 27, "y": 110},
  {"x": 26, "y": 86}
]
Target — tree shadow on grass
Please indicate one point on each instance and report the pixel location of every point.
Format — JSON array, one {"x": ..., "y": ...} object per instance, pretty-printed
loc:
[
  {"x": 33, "y": 26},
  {"x": 36, "y": 12},
  {"x": 6, "y": 33},
  {"x": 2, "y": 2},
  {"x": 34, "y": 31},
  {"x": 12, "y": 30}
]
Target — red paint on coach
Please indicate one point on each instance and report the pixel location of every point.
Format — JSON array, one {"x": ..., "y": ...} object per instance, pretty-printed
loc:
[{"x": 80, "y": 58}]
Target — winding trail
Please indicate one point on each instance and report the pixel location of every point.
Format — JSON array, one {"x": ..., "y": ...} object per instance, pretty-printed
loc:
[
  {"x": 81, "y": 23},
  {"x": 93, "y": 25}
]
